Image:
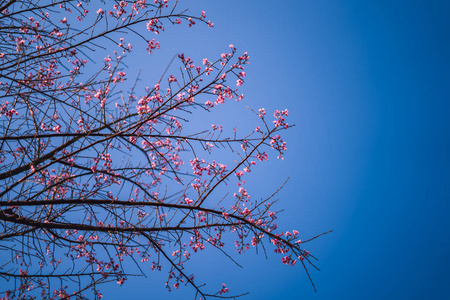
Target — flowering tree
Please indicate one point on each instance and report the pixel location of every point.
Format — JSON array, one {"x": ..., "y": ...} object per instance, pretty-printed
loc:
[{"x": 96, "y": 174}]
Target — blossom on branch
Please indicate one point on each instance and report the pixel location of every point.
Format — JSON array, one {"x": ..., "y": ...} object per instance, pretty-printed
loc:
[{"x": 100, "y": 170}]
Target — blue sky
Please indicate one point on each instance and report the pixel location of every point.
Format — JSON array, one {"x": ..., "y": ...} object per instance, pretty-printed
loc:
[{"x": 367, "y": 85}]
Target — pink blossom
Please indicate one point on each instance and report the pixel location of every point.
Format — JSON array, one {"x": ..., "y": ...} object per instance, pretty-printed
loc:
[
  {"x": 286, "y": 260},
  {"x": 57, "y": 129},
  {"x": 262, "y": 112},
  {"x": 209, "y": 104},
  {"x": 223, "y": 290}
]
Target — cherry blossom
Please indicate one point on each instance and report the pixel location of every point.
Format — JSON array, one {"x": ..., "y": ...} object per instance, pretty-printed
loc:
[{"x": 101, "y": 170}]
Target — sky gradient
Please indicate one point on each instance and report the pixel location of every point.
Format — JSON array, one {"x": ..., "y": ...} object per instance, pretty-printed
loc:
[{"x": 367, "y": 85}]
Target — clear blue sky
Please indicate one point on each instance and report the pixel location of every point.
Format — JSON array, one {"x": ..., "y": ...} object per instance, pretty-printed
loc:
[{"x": 367, "y": 85}]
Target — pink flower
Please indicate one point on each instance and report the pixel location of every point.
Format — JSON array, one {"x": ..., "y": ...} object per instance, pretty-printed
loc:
[
  {"x": 224, "y": 289},
  {"x": 288, "y": 261},
  {"x": 262, "y": 112},
  {"x": 272, "y": 215},
  {"x": 23, "y": 272},
  {"x": 209, "y": 104}
]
